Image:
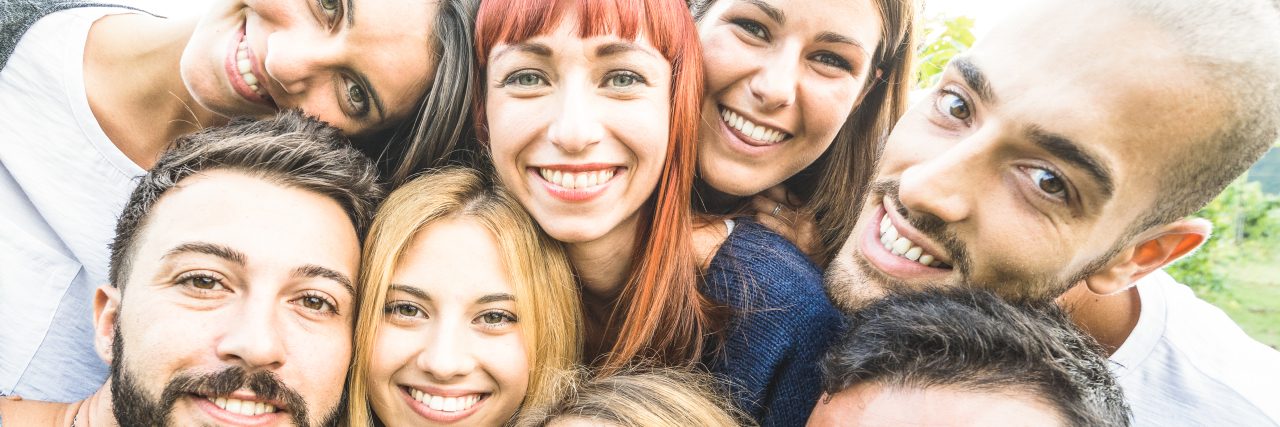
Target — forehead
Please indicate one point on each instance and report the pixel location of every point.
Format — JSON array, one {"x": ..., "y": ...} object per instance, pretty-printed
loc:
[
  {"x": 392, "y": 41},
  {"x": 1090, "y": 72},
  {"x": 276, "y": 228},
  {"x": 866, "y": 405},
  {"x": 566, "y": 41},
  {"x": 454, "y": 259}
]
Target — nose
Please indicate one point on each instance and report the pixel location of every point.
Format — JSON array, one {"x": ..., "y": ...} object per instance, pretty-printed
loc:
[
  {"x": 447, "y": 354},
  {"x": 297, "y": 60},
  {"x": 774, "y": 84},
  {"x": 576, "y": 127},
  {"x": 947, "y": 184},
  {"x": 253, "y": 337}
]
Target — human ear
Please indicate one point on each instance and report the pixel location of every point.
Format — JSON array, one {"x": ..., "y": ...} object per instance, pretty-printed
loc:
[
  {"x": 106, "y": 307},
  {"x": 1153, "y": 249}
]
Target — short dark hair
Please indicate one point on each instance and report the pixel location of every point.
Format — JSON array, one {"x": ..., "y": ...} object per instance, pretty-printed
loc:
[
  {"x": 290, "y": 150},
  {"x": 969, "y": 338}
]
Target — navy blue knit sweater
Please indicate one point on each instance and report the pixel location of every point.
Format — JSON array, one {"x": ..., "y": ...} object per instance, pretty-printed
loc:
[{"x": 782, "y": 323}]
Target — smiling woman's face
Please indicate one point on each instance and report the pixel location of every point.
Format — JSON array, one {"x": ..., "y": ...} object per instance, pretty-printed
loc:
[
  {"x": 782, "y": 77},
  {"x": 578, "y": 127},
  {"x": 449, "y": 350},
  {"x": 357, "y": 64}
]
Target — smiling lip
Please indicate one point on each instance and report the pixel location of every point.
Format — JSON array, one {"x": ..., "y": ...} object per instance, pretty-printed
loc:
[
  {"x": 888, "y": 262},
  {"x": 232, "y": 69},
  {"x": 225, "y": 417},
  {"x": 441, "y": 416},
  {"x": 605, "y": 175},
  {"x": 740, "y": 141}
]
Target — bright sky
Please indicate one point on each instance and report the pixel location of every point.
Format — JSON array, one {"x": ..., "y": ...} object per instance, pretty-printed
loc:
[{"x": 987, "y": 12}]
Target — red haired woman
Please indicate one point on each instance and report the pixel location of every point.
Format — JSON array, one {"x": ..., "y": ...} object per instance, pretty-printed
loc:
[{"x": 589, "y": 109}]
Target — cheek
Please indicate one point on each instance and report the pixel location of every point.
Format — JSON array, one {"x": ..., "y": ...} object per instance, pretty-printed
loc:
[
  {"x": 725, "y": 59},
  {"x": 392, "y": 351},
  {"x": 826, "y": 105},
  {"x": 645, "y": 131},
  {"x": 508, "y": 364}
]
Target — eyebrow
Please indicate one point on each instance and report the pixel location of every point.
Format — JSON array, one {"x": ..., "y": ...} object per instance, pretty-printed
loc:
[
  {"x": 830, "y": 37},
  {"x": 1075, "y": 154},
  {"x": 220, "y": 251},
  {"x": 495, "y": 298},
  {"x": 616, "y": 48},
  {"x": 351, "y": 16},
  {"x": 312, "y": 270},
  {"x": 975, "y": 79},
  {"x": 768, "y": 9},
  {"x": 364, "y": 80},
  {"x": 538, "y": 49},
  {"x": 411, "y": 290}
]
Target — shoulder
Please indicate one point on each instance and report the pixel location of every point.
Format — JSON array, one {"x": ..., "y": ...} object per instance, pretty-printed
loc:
[
  {"x": 17, "y": 412},
  {"x": 1198, "y": 363},
  {"x": 760, "y": 265}
]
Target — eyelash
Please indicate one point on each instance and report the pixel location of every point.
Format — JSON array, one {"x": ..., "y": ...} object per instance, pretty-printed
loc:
[
  {"x": 839, "y": 61},
  {"x": 943, "y": 94},
  {"x": 608, "y": 77},
  {"x": 333, "y": 306},
  {"x": 359, "y": 110},
  {"x": 393, "y": 307},
  {"x": 744, "y": 23},
  {"x": 508, "y": 319},
  {"x": 336, "y": 14},
  {"x": 512, "y": 78},
  {"x": 182, "y": 279}
]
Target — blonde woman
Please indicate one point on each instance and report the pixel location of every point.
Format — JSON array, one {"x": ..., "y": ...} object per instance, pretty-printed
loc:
[
  {"x": 467, "y": 308},
  {"x": 669, "y": 397}
]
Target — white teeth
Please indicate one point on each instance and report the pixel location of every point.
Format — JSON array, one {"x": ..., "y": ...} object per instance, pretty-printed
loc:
[
  {"x": 244, "y": 66},
  {"x": 572, "y": 180},
  {"x": 445, "y": 404},
  {"x": 750, "y": 129},
  {"x": 246, "y": 69},
  {"x": 903, "y": 247},
  {"x": 251, "y": 80},
  {"x": 242, "y": 407}
]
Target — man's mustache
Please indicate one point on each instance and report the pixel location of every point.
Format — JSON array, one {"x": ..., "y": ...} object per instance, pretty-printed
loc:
[
  {"x": 265, "y": 385},
  {"x": 927, "y": 224}
]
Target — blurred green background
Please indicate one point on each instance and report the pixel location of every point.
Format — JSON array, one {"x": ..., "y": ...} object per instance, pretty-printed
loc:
[{"x": 1238, "y": 269}]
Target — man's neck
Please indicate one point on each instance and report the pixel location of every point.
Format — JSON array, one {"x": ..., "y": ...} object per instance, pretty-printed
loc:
[
  {"x": 1108, "y": 318},
  {"x": 95, "y": 411},
  {"x": 134, "y": 84}
]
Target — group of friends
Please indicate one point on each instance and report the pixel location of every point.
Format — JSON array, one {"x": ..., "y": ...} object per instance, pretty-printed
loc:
[{"x": 622, "y": 213}]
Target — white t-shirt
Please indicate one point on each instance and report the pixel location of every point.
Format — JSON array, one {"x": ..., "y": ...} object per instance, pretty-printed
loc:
[
  {"x": 62, "y": 186},
  {"x": 1187, "y": 364}
]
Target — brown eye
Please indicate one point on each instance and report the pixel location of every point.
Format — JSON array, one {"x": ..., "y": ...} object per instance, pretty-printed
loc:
[
  {"x": 407, "y": 310},
  {"x": 313, "y": 303},
  {"x": 203, "y": 283},
  {"x": 954, "y": 106},
  {"x": 1048, "y": 182},
  {"x": 493, "y": 318}
]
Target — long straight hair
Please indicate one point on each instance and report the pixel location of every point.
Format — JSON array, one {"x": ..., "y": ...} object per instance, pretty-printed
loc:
[
  {"x": 664, "y": 317},
  {"x": 834, "y": 185},
  {"x": 546, "y": 295}
]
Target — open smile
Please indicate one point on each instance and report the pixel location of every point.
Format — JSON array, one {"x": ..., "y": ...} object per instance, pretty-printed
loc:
[
  {"x": 244, "y": 72},
  {"x": 242, "y": 411},
  {"x": 899, "y": 250},
  {"x": 445, "y": 407},
  {"x": 576, "y": 183},
  {"x": 750, "y": 137}
]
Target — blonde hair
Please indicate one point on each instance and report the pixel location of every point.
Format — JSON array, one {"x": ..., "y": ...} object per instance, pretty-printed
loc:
[
  {"x": 546, "y": 294},
  {"x": 637, "y": 397}
]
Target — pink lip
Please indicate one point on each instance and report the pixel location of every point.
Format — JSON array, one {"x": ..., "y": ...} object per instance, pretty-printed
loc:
[
  {"x": 576, "y": 194},
  {"x": 886, "y": 261},
  {"x": 440, "y": 416},
  {"x": 233, "y": 72},
  {"x": 740, "y": 142},
  {"x": 227, "y": 418}
]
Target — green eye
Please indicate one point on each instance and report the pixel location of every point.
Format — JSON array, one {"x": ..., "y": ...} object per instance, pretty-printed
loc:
[
  {"x": 493, "y": 318},
  {"x": 356, "y": 94},
  {"x": 622, "y": 80},
  {"x": 357, "y": 98},
  {"x": 528, "y": 80},
  {"x": 329, "y": 4}
]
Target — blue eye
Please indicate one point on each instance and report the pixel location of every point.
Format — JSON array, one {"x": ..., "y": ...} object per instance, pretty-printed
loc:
[
  {"x": 1048, "y": 182},
  {"x": 622, "y": 79}
]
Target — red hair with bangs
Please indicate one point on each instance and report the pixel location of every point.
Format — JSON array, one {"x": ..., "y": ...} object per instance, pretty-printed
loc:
[{"x": 664, "y": 316}]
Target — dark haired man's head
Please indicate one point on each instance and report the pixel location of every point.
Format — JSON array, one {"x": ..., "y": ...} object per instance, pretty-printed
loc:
[
  {"x": 965, "y": 356},
  {"x": 238, "y": 254},
  {"x": 1066, "y": 147}
]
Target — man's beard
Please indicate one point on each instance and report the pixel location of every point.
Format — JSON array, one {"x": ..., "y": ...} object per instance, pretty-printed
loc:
[
  {"x": 851, "y": 282},
  {"x": 133, "y": 408}
]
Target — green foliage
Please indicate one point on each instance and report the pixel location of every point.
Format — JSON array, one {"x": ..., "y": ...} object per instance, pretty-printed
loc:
[
  {"x": 1267, "y": 172},
  {"x": 1246, "y": 226},
  {"x": 944, "y": 37}
]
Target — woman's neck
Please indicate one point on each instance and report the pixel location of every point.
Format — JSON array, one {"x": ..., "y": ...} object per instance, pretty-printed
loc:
[
  {"x": 602, "y": 265},
  {"x": 134, "y": 84}
]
